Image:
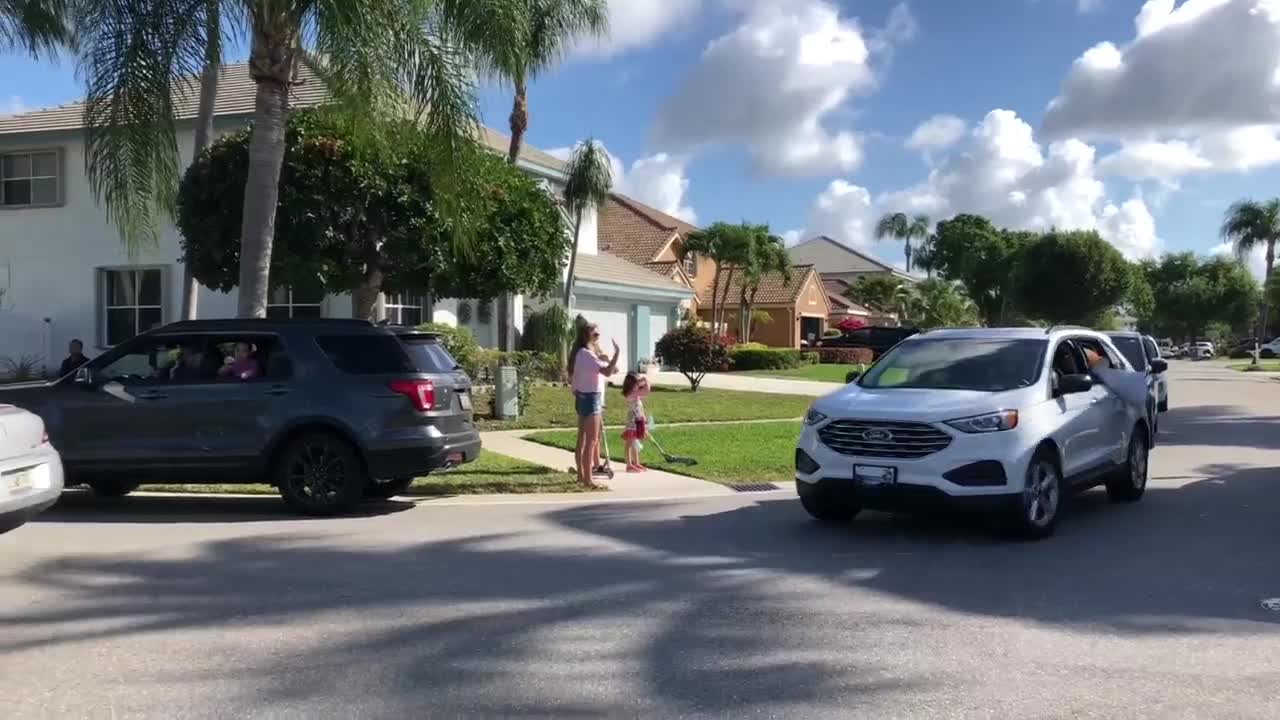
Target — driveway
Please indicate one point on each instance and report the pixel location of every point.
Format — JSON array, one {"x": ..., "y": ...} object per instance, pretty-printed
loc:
[{"x": 733, "y": 606}]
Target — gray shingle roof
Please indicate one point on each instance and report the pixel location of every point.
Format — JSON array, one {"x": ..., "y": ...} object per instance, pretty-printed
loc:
[{"x": 607, "y": 268}]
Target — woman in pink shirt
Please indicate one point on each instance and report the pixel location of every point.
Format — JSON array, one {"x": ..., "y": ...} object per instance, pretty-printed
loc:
[{"x": 585, "y": 371}]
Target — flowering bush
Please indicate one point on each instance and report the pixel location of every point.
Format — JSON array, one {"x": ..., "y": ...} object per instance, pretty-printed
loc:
[
  {"x": 694, "y": 351},
  {"x": 850, "y": 324}
]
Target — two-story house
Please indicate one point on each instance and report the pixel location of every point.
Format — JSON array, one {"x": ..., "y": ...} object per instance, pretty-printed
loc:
[{"x": 65, "y": 275}]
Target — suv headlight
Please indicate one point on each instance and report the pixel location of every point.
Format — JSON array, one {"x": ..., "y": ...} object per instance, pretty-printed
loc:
[
  {"x": 991, "y": 422},
  {"x": 813, "y": 417}
]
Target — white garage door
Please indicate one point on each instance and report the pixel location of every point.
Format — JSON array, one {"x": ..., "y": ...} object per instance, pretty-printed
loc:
[
  {"x": 613, "y": 321},
  {"x": 659, "y": 324}
]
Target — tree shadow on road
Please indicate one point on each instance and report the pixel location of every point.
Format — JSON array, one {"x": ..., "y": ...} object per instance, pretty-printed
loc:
[
  {"x": 1218, "y": 425},
  {"x": 83, "y": 506}
]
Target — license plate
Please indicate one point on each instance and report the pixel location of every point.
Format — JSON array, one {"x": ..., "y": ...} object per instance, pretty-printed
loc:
[
  {"x": 21, "y": 480},
  {"x": 465, "y": 399},
  {"x": 875, "y": 474}
]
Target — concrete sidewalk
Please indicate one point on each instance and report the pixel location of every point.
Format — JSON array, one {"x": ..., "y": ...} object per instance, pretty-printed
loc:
[
  {"x": 752, "y": 383},
  {"x": 649, "y": 484}
]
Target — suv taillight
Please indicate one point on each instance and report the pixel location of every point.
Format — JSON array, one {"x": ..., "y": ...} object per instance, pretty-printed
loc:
[{"x": 421, "y": 392}]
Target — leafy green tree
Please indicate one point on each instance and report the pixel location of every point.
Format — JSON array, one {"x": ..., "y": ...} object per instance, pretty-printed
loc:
[
  {"x": 937, "y": 303},
  {"x": 1070, "y": 277},
  {"x": 882, "y": 293},
  {"x": 357, "y": 214},
  {"x": 694, "y": 351},
  {"x": 767, "y": 256},
  {"x": 729, "y": 247},
  {"x": 904, "y": 228},
  {"x": 589, "y": 178},
  {"x": 1250, "y": 224},
  {"x": 972, "y": 251},
  {"x": 393, "y": 57},
  {"x": 1189, "y": 293}
]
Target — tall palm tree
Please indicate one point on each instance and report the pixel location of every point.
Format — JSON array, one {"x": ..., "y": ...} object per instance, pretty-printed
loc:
[
  {"x": 590, "y": 177},
  {"x": 768, "y": 255},
  {"x": 392, "y": 56},
  {"x": 36, "y": 27},
  {"x": 906, "y": 229},
  {"x": 1248, "y": 225}
]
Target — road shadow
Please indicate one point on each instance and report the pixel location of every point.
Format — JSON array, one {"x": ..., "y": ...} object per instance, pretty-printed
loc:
[
  {"x": 83, "y": 506},
  {"x": 1218, "y": 425}
]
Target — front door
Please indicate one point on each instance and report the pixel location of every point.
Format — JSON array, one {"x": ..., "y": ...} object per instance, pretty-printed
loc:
[{"x": 810, "y": 331}]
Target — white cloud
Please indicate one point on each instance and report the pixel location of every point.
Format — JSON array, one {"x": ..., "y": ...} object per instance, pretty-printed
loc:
[
  {"x": 12, "y": 105},
  {"x": 1256, "y": 260},
  {"x": 773, "y": 84},
  {"x": 1088, "y": 6},
  {"x": 1001, "y": 172},
  {"x": 1202, "y": 66},
  {"x": 1150, "y": 160},
  {"x": 637, "y": 24},
  {"x": 657, "y": 180},
  {"x": 936, "y": 133}
]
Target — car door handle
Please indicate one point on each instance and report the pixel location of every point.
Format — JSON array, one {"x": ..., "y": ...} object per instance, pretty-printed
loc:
[
  {"x": 151, "y": 396},
  {"x": 279, "y": 390}
]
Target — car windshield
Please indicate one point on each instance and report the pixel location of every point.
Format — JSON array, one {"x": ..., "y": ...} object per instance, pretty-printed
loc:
[
  {"x": 959, "y": 364},
  {"x": 1131, "y": 347}
]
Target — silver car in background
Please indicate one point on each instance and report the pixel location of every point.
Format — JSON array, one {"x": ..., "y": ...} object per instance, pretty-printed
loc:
[{"x": 30, "y": 468}]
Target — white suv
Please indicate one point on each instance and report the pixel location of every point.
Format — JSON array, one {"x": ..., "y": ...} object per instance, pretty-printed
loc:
[{"x": 1005, "y": 419}]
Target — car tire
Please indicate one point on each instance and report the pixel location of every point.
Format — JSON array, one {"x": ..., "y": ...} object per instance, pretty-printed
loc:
[
  {"x": 112, "y": 487},
  {"x": 1129, "y": 484},
  {"x": 826, "y": 506},
  {"x": 320, "y": 474},
  {"x": 1040, "y": 503},
  {"x": 387, "y": 490}
]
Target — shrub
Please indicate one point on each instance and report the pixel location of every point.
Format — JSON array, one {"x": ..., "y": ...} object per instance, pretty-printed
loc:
[
  {"x": 810, "y": 358},
  {"x": 747, "y": 358},
  {"x": 531, "y": 368},
  {"x": 845, "y": 356},
  {"x": 547, "y": 331},
  {"x": 849, "y": 324},
  {"x": 694, "y": 351},
  {"x": 461, "y": 344},
  {"x": 22, "y": 369},
  {"x": 831, "y": 333}
]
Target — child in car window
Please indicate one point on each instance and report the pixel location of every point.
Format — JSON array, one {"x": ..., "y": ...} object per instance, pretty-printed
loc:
[{"x": 242, "y": 366}]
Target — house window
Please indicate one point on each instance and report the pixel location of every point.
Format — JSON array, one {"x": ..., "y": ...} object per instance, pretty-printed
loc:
[
  {"x": 29, "y": 179},
  {"x": 691, "y": 265},
  {"x": 133, "y": 302},
  {"x": 813, "y": 295},
  {"x": 287, "y": 303},
  {"x": 404, "y": 309}
]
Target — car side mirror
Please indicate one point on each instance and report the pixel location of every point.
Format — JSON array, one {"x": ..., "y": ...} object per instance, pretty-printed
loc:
[
  {"x": 1071, "y": 384},
  {"x": 83, "y": 376},
  {"x": 1158, "y": 366},
  {"x": 852, "y": 376}
]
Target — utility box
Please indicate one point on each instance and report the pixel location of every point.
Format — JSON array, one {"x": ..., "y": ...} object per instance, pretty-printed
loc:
[{"x": 506, "y": 393}]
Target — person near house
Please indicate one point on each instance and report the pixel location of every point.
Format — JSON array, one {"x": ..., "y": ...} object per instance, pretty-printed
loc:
[
  {"x": 75, "y": 358},
  {"x": 242, "y": 366},
  {"x": 585, "y": 370},
  {"x": 634, "y": 388}
]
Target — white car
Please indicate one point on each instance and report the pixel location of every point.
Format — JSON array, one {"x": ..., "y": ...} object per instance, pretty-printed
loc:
[
  {"x": 30, "y": 469},
  {"x": 1006, "y": 419},
  {"x": 1141, "y": 352},
  {"x": 1270, "y": 350},
  {"x": 1203, "y": 351}
]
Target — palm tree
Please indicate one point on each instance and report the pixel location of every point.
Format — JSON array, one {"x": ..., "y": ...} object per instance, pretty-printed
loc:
[
  {"x": 392, "y": 56},
  {"x": 590, "y": 177},
  {"x": 1248, "y": 225},
  {"x": 901, "y": 227},
  {"x": 36, "y": 27},
  {"x": 768, "y": 255}
]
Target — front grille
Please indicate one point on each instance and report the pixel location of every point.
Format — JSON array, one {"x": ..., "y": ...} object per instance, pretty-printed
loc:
[{"x": 881, "y": 439}]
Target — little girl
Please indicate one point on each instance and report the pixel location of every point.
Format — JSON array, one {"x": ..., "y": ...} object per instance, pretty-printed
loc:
[{"x": 634, "y": 388}]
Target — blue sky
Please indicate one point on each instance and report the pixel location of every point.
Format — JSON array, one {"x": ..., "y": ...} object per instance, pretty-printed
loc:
[{"x": 798, "y": 112}]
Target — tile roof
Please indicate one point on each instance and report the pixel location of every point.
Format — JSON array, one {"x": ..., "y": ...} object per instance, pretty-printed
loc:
[
  {"x": 607, "y": 268},
  {"x": 773, "y": 289},
  {"x": 635, "y": 231},
  {"x": 236, "y": 94}
]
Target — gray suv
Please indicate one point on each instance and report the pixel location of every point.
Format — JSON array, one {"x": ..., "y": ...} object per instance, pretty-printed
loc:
[{"x": 328, "y": 411}]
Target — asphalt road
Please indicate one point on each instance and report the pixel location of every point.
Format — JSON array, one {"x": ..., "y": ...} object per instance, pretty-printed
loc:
[{"x": 723, "y": 607}]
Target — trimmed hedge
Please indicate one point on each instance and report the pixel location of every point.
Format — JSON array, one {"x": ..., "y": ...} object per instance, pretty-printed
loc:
[
  {"x": 750, "y": 358},
  {"x": 845, "y": 356}
]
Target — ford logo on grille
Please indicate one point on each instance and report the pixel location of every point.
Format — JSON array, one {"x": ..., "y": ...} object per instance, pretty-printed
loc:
[{"x": 877, "y": 435}]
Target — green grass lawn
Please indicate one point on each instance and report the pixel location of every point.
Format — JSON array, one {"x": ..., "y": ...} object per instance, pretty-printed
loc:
[
  {"x": 821, "y": 373},
  {"x": 729, "y": 454},
  {"x": 1263, "y": 366},
  {"x": 552, "y": 407},
  {"x": 491, "y": 473}
]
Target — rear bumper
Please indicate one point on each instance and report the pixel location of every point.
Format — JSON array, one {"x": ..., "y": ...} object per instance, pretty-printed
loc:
[
  {"x": 17, "y": 509},
  {"x": 414, "y": 452},
  {"x": 906, "y": 498}
]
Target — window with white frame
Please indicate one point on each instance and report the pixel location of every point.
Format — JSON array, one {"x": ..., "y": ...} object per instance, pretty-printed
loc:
[
  {"x": 691, "y": 265},
  {"x": 295, "y": 302},
  {"x": 132, "y": 303},
  {"x": 29, "y": 179},
  {"x": 404, "y": 309}
]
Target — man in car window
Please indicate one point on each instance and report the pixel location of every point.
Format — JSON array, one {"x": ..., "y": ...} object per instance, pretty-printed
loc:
[{"x": 75, "y": 358}]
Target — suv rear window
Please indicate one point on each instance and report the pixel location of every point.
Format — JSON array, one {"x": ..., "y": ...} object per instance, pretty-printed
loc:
[
  {"x": 366, "y": 354},
  {"x": 428, "y": 354}
]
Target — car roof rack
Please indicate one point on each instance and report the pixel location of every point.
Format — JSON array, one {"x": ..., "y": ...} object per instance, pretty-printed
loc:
[{"x": 1050, "y": 330}]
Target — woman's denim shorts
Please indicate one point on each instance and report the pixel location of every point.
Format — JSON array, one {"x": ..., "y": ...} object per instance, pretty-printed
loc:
[{"x": 587, "y": 404}]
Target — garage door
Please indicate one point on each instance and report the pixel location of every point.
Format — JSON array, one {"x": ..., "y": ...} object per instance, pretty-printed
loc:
[
  {"x": 612, "y": 319},
  {"x": 659, "y": 324}
]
